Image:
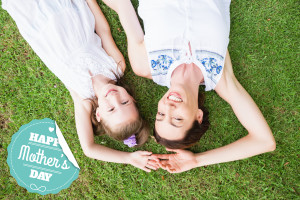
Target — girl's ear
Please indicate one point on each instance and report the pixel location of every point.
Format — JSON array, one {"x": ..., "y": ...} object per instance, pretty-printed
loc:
[
  {"x": 199, "y": 117},
  {"x": 98, "y": 115},
  {"x": 133, "y": 99},
  {"x": 143, "y": 135}
]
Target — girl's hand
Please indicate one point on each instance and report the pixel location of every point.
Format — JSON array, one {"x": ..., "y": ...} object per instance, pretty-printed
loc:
[
  {"x": 179, "y": 162},
  {"x": 143, "y": 160}
]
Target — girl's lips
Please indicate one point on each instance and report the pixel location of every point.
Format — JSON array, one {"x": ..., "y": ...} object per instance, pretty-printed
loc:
[{"x": 111, "y": 90}]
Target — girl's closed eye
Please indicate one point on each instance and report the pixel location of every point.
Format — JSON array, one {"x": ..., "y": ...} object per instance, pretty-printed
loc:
[
  {"x": 125, "y": 102},
  {"x": 177, "y": 119},
  {"x": 111, "y": 109}
]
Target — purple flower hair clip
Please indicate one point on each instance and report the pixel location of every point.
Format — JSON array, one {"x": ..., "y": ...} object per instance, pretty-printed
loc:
[{"x": 131, "y": 141}]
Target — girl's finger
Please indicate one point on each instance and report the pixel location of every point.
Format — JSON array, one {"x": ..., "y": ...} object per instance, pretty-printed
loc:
[
  {"x": 164, "y": 164},
  {"x": 154, "y": 157},
  {"x": 173, "y": 150},
  {"x": 146, "y": 153}
]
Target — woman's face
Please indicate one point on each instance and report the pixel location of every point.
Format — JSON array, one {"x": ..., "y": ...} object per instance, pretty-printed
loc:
[
  {"x": 116, "y": 106},
  {"x": 177, "y": 110}
]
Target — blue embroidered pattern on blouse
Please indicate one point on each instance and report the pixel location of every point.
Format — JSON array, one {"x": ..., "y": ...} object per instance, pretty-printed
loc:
[
  {"x": 211, "y": 65},
  {"x": 210, "y": 61},
  {"x": 162, "y": 60}
]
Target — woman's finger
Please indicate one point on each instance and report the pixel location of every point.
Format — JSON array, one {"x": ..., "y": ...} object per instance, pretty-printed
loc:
[
  {"x": 145, "y": 169},
  {"x": 160, "y": 156},
  {"x": 171, "y": 170},
  {"x": 163, "y": 164},
  {"x": 151, "y": 167},
  {"x": 152, "y": 162}
]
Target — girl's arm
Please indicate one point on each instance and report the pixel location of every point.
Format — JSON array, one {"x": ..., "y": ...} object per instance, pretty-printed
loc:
[
  {"x": 259, "y": 139},
  {"x": 91, "y": 149},
  {"x": 103, "y": 30},
  {"x": 135, "y": 36}
]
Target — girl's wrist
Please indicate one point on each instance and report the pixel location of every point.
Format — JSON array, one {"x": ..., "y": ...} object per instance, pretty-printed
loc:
[{"x": 127, "y": 157}]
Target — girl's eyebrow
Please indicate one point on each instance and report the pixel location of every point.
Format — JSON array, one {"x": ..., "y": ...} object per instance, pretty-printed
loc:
[{"x": 175, "y": 125}]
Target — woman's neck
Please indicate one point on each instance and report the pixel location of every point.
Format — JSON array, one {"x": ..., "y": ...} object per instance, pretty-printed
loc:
[{"x": 188, "y": 75}]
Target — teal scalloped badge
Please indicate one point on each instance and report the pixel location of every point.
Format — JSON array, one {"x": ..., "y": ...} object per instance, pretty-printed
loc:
[{"x": 40, "y": 159}]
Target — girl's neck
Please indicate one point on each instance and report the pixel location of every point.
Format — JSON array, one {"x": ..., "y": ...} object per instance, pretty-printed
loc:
[{"x": 98, "y": 82}]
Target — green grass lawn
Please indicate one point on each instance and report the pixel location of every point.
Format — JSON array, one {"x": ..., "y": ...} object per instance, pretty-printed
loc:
[{"x": 264, "y": 48}]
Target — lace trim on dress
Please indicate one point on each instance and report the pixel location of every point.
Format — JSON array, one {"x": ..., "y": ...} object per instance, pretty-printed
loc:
[{"x": 89, "y": 65}]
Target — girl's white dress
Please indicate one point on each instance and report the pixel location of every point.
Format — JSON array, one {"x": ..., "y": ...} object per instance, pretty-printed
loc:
[{"x": 61, "y": 32}]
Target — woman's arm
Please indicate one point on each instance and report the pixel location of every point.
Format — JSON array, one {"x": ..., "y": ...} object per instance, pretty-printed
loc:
[
  {"x": 91, "y": 149},
  {"x": 103, "y": 30},
  {"x": 259, "y": 139},
  {"x": 135, "y": 36}
]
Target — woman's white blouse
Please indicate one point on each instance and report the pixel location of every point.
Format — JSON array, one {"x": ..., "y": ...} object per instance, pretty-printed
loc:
[
  {"x": 62, "y": 34},
  {"x": 186, "y": 31}
]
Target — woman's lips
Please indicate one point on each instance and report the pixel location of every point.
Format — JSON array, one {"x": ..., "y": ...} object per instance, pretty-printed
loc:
[
  {"x": 174, "y": 96},
  {"x": 109, "y": 91}
]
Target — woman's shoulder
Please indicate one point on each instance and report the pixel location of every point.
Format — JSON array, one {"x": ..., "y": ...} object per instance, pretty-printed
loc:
[{"x": 228, "y": 81}]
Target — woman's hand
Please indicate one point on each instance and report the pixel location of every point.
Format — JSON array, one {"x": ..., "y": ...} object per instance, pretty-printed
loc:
[
  {"x": 143, "y": 160},
  {"x": 179, "y": 162}
]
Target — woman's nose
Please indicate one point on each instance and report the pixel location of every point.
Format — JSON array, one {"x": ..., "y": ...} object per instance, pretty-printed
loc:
[{"x": 171, "y": 105}]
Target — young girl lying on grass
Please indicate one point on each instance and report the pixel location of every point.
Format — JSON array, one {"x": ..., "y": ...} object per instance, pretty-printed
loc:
[{"x": 90, "y": 65}]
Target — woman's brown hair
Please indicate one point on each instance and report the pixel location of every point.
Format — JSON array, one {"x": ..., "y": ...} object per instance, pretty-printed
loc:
[
  {"x": 192, "y": 136},
  {"x": 139, "y": 127}
]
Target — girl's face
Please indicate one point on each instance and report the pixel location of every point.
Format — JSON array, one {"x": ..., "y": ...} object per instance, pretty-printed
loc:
[
  {"x": 116, "y": 106},
  {"x": 177, "y": 110}
]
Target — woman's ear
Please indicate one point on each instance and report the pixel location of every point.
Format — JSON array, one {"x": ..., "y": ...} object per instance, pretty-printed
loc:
[
  {"x": 98, "y": 115},
  {"x": 199, "y": 117}
]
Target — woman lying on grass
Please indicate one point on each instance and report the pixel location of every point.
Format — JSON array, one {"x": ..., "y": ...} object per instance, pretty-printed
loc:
[
  {"x": 185, "y": 44},
  {"x": 62, "y": 35}
]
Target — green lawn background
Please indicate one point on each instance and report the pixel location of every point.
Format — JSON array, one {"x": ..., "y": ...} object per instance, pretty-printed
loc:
[{"x": 264, "y": 48}]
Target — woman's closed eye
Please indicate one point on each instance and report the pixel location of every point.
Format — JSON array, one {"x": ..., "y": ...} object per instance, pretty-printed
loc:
[
  {"x": 125, "y": 102},
  {"x": 160, "y": 114}
]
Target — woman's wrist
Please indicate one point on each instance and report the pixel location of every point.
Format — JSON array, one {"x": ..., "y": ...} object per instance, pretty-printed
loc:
[{"x": 200, "y": 157}]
